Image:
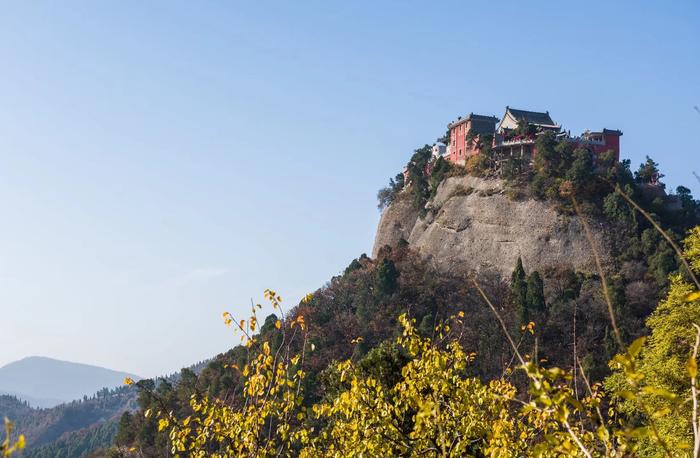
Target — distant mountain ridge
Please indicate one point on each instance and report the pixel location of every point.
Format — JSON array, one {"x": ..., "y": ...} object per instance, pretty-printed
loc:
[
  {"x": 71, "y": 429},
  {"x": 46, "y": 382},
  {"x": 76, "y": 428}
]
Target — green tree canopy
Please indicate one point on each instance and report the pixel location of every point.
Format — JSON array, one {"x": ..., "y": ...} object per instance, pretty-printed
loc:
[
  {"x": 534, "y": 297},
  {"x": 648, "y": 172},
  {"x": 387, "y": 277}
]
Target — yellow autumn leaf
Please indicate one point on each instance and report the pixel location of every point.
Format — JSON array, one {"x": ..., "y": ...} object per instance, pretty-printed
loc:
[
  {"x": 692, "y": 367},
  {"x": 278, "y": 324},
  {"x": 299, "y": 320},
  {"x": 162, "y": 424},
  {"x": 128, "y": 381}
]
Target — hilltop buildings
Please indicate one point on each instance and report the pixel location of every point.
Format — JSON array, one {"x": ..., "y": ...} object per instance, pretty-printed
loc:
[
  {"x": 513, "y": 136},
  {"x": 465, "y": 135},
  {"x": 516, "y": 134}
]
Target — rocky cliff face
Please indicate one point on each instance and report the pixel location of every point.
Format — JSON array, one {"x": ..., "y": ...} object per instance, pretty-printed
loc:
[{"x": 471, "y": 225}]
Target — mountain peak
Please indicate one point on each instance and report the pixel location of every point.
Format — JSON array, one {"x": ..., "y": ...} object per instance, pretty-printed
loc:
[{"x": 45, "y": 382}]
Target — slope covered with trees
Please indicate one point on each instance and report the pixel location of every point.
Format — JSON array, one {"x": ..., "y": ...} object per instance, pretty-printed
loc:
[
  {"x": 558, "y": 318},
  {"x": 354, "y": 317},
  {"x": 77, "y": 428},
  {"x": 44, "y": 426},
  {"x": 391, "y": 329},
  {"x": 417, "y": 393}
]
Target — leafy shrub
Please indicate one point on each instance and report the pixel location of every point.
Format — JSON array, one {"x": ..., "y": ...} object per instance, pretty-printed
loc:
[{"x": 10, "y": 444}]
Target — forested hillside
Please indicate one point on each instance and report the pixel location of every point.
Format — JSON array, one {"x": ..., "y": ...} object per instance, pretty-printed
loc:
[
  {"x": 559, "y": 316},
  {"x": 390, "y": 321},
  {"x": 77, "y": 428},
  {"x": 86, "y": 417},
  {"x": 78, "y": 443}
]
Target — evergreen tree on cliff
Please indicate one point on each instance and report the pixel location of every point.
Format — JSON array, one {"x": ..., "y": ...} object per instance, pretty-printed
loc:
[
  {"x": 518, "y": 289},
  {"x": 534, "y": 296},
  {"x": 387, "y": 277}
]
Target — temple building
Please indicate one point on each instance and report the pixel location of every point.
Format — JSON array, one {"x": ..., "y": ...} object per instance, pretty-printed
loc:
[
  {"x": 465, "y": 136},
  {"x": 600, "y": 142},
  {"x": 514, "y": 118},
  {"x": 516, "y": 135},
  {"x": 518, "y": 130}
]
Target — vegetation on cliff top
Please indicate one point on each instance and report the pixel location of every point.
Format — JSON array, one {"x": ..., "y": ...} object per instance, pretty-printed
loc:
[{"x": 558, "y": 170}]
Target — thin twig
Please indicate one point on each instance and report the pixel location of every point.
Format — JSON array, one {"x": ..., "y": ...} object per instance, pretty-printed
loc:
[
  {"x": 599, "y": 266},
  {"x": 597, "y": 407},
  {"x": 577, "y": 440},
  {"x": 510, "y": 363},
  {"x": 570, "y": 431},
  {"x": 500, "y": 320}
]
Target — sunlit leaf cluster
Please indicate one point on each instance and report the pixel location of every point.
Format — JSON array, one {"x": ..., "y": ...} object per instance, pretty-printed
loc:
[{"x": 10, "y": 445}]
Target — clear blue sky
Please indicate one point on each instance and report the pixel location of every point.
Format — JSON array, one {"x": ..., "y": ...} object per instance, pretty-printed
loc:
[{"x": 161, "y": 162}]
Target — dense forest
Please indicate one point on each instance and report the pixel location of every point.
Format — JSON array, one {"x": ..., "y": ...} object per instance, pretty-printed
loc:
[
  {"x": 394, "y": 336},
  {"x": 80, "y": 426},
  {"x": 558, "y": 316}
]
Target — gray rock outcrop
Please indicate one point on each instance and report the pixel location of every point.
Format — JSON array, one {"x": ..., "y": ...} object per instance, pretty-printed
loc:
[{"x": 472, "y": 225}]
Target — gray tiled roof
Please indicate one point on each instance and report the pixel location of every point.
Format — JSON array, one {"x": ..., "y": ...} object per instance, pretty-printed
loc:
[
  {"x": 611, "y": 131},
  {"x": 532, "y": 117},
  {"x": 476, "y": 119},
  {"x": 483, "y": 126}
]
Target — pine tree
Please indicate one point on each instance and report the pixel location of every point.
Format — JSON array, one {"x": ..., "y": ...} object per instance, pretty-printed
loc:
[
  {"x": 126, "y": 433},
  {"x": 534, "y": 297},
  {"x": 387, "y": 277},
  {"x": 648, "y": 172},
  {"x": 518, "y": 289}
]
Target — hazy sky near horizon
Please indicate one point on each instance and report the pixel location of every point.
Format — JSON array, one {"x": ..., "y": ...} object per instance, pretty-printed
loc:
[{"x": 162, "y": 162}]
